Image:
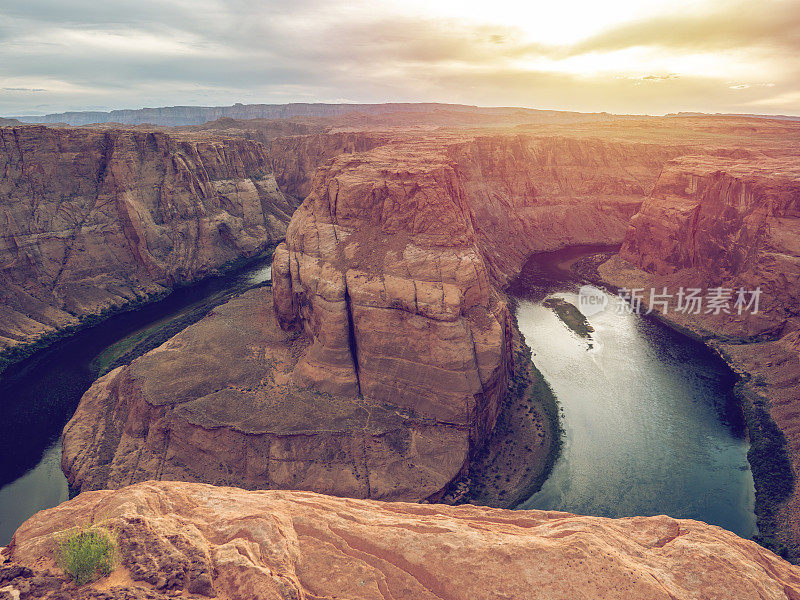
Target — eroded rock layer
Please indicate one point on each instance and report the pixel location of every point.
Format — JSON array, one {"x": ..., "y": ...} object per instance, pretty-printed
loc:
[
  {"x": 93, "y": 219},
  {"x": 201, "y": 541},
  {"x": 397, "y": 353},
  {"x": 732, "y": 221}
]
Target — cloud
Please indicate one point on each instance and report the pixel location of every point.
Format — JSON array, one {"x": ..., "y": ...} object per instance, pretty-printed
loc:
[
  {"x": 730, "y": 25},
  {"x": 57, "y": 56}
]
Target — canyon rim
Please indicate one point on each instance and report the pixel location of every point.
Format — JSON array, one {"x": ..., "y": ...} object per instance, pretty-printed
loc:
[{"x": 308, "y": 301}]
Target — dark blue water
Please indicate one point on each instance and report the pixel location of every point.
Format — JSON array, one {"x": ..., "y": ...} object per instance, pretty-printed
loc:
[
  {"x": 39, "y": 395},
  {"x": 651, "y": 425}
]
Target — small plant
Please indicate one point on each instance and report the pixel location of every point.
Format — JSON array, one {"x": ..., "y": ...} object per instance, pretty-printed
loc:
[{"x": 87, "y": 553}]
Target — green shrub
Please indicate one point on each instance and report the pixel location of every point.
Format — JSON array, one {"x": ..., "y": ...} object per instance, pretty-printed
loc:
[{"x": 87, "y": 553}]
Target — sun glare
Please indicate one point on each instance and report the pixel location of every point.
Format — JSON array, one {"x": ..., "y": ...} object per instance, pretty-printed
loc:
[{"x": 554, "y": 23}]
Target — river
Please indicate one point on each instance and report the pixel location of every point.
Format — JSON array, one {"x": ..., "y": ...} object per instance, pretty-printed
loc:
[
  {"x": 650, "y": 422},
  {"x": 651, "y": 425},
  {"x": 39, "y": 395}
]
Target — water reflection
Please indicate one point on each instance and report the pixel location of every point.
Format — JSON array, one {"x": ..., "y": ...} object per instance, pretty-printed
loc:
[{"x": 650, "y": 423}]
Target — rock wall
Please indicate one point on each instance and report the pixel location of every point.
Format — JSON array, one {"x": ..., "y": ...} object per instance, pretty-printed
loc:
[
  {"x": 726, "y": 221},
  {"x": 394, "y": 264},
  {"x": 396, "y": 350},
  {"x": 733, "y": 221},
  {"x": 200, "y": 541},
  {"x": 295, "y": 159},
  {"x": 92, "y": 219},
  {"x": 531, "y": 193}
]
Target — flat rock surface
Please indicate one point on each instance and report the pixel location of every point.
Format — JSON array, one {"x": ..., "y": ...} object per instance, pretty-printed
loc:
[
  {"x": 200, "y": 541},
  {"x": 217, "y": 403}
]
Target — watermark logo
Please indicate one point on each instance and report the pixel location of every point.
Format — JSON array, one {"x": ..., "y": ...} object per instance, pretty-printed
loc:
[
  {"x": 591, "y": 300},
  {"x": 689, "y": 301}
]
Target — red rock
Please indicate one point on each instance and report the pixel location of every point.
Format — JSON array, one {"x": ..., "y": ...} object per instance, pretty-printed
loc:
[
  {"x": 199, "y": 540},
  {"x": 93, "y": 219}
]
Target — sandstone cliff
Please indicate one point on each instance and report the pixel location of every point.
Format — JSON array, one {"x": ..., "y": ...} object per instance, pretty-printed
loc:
[
  {"x": 535, "y": 193},
  {"x": 393, "y": 263},
  {"x": 94, "y": 219},
  {"x": 733, "y": 220},
  {"x": 199, "y": 541},
  {"x": 219, "y": 403},
  {"x": 295, "y": 159},
  {"x": 397, "y": 351}
]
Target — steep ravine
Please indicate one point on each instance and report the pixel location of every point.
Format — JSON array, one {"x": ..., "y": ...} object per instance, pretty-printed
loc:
[
  {"x": 97, "y": 220},
  {"x": 374, "y": 369},
  {"x": 388, "y": 321},
  {"x": 389, "y": 354}
]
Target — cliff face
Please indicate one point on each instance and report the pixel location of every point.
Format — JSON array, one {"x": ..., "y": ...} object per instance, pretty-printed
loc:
[
  {"x": 396, "y": 353},
  {"x": 392, "y": 263},
  {"x": 532, "y": 194},
  {"x": 92, "y": 219},
  {"x": 295, "y": 159},
  {"x": 726, "y": 221},
  {"x": 382, "y": 271},
  {"x": 734, "y": 221},
  {"x": 200, "y": 541}
]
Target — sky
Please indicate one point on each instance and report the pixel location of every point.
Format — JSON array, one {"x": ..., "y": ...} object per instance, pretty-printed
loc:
[{"x": 622, "y": 56}]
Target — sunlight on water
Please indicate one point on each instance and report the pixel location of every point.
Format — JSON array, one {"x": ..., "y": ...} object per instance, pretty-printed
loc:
[
  {"x": 644, "y": 419},
  {"x": 40, "y": 488}
]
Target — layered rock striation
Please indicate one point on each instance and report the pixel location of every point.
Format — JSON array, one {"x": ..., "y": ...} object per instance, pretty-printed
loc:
[
  {"x": 95, "y": 219},
  {"x": 199, "y": 541},
  {"x": 390, "y": 353},
  {"x": 732, "y": 221}
]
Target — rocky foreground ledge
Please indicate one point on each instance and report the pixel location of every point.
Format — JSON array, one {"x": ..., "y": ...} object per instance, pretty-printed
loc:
[{"x": 194, "y": 541}]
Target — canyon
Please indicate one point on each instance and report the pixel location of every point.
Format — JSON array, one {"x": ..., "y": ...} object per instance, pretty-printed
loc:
[
  {"x": 95, "y": 220},
  {"x": 377, "y": 363},
  {"x": 388, "y": 303},
  {"x": 400, "y": 242},
  {"x": 199, "y": 541},
  {"x": 733, "y": 222}
]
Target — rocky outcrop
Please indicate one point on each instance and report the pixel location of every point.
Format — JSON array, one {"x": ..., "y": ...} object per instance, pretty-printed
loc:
[
  {"x": 733, "y": 221},
  {"x": 395, "y": 352},
  {"x": 199, "y": 541},
  {"x": 295, "y": 159},
  {"x": 392, "y": 264},
  {"x": 95, "y": 219},
  {"x": 220, "y": 403}
]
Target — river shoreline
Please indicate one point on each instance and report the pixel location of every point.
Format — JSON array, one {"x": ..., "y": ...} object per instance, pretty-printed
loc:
[
  {"x": 524, "y": 445},
  {"x": 768, "y": 458},
  {"x": 12, "y": 357},
  {"x": 40, "y": 393}
]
